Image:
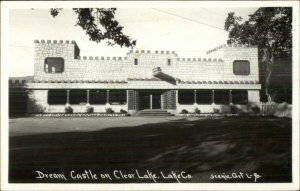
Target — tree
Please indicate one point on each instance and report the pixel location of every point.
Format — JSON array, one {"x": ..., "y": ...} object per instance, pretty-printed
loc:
[
  {"x": 100, "y": 24},
  {"x": 269, "y": 28}
]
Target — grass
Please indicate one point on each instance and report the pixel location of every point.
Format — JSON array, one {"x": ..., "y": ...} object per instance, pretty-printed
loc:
[{"x": 198, "y": 146}]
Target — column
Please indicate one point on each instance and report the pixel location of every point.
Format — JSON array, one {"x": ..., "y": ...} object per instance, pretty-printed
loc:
[
  {"x": 195, "y": 96},
  {"x": 68, "y": 95},
  {"x": 107, "y": 96},
  {"x": 213, "y": 97},
  {"x": 150, "y": 101},
  {"x": 87, "y": 97},
  {"x": 230, "y": 97}
]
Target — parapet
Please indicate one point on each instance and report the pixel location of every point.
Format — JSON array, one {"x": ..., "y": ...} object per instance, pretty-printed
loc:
[
  {"x": 229, "y": 45},
  {"x": 13, "y": 83},
  {"x": 149, "y": 52},
  {"x": 76, "y": 48},
  {"x": 55, "y": 41},
  {"x": 100, "y": 58},
  {"x": 200, "y": 59}
]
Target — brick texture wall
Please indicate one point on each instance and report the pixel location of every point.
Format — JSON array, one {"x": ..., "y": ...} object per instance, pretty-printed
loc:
[{"x": 100, "y": 68}]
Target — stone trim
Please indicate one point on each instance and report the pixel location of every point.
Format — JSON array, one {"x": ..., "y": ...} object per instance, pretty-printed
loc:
[
  {"x": 80, "y": 81},
  {"x": 218, "y": 82},
  {"x": 229, "y": 45}
]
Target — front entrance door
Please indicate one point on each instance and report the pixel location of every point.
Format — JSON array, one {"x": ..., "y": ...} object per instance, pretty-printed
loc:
[
  {"x": 150, "y": 100},
  {"x": 156, "y": 101}
]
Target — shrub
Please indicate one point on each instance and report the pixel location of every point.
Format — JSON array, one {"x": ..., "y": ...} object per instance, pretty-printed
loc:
[
  {"x": 109, "y": 110},
  {"x": 123, "y": 111},
  {"x": 255, "y": 109},
  {"x": 184, "y": 111},
  {"x": 68, "y": 109},
  {"x": 197, "y": 111},
  {"x": 89, "y": 109},
  {"x": 233, "y": 109},
  {"x": 216, "y": 110}
]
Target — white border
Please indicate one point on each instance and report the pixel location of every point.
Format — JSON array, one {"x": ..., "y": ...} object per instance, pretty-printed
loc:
[{"x": 5, "y": 6}]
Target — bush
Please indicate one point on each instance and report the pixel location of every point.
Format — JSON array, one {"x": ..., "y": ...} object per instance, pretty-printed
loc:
[
  {"x": 123, "y": 111},
  {"x": 255, "y": 109},
  {"x": 216, "y": 110},
  {"x": 233, "y": 109},
  {"x": 184, "y": 111},
  {"x": 89, "y": 109},
  {"x": 68, "y": 109},
  {"x": 197, "y": 111},
  {"x": 109, "y": 110}
]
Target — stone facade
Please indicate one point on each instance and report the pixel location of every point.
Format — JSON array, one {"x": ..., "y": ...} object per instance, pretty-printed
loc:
[{"x": 140, "y": 70}]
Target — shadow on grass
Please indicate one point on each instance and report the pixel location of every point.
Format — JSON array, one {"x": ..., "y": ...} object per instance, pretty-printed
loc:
[{"x": 199, "y": 147}]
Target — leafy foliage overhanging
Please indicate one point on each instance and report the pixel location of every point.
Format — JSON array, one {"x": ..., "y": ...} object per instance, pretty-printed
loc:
[
  {"x": 100, "y": 24},
  {"x": 269, "y": 28}
]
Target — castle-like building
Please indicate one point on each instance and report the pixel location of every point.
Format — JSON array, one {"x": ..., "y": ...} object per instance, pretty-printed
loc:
[{"x": 141, "y": 80}]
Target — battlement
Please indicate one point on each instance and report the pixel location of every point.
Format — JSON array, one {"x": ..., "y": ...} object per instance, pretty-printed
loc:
[
  {"x": 149, "y": 52},
  {"x": 55, "y": 42},
  {"x": 230, "y": 46},
  {"x": 100, "y": 58},
  {"x": 200, "y": 59},
  {"x": 18, "y": 84}
]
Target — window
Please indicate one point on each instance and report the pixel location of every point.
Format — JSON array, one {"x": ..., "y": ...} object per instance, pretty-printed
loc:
[
  {"x": 54, "y": 65},
  {"x": 239, "y": 96},
  {"x": 221, "y": 97},
  {"x": 135, "y": 61},
  {"x": 78, "y": 97},
  {"x": 169, "y": 62},
  {"x": 241, "y": 67},
  {"x": 117, "y": 97},
  {"x": 98, "y": 96},
  {"x": 186, "y": 97},
  {"x": 204, "y": 96},
  {"x": 57, "y": 97}
]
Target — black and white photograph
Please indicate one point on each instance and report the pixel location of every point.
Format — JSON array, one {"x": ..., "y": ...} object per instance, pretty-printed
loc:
[{"x": 150, "y": 95}]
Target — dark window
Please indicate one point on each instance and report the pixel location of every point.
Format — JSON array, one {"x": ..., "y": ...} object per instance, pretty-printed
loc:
[
  {"x": 221, "y": 97},
  {"x": 241, "y": 67},
  {"x": 169, "y": 62},
  {"x": 54, "y": 65},
  {"x": 57, "y": 97},
  {"x": 117, "y": 97},
  {"x": 78, "y": 96},
  {"x": 186, "y": 97},
  {"x": 204, "y": 96},
  {"x": 239, "y": 96},
  {"x": 135, "y": 61},
  {"x": 98, "y": 96}
]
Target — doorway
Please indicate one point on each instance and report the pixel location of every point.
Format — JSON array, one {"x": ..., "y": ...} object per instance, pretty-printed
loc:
[{"x": 150, "y": 99}]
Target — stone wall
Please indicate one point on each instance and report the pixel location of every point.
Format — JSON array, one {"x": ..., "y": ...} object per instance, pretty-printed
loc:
[{"x": 122, "y": 68}]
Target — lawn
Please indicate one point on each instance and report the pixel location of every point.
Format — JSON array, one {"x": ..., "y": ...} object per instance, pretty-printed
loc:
[{"x": 199, "y": 146}]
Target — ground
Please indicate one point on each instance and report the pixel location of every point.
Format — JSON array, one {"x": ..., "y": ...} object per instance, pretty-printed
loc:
[{"x": 201, "y": 147}]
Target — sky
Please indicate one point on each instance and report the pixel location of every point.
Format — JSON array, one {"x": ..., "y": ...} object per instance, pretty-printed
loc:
[{"x": 190, "y": 32}]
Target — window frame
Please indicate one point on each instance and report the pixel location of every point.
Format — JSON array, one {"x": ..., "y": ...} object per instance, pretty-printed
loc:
[
  {"x": 169, "y": 62},
  {"x": 237, "y": 65},
  {"x": 46, "y": 65},
  {"x": 136, "y": 61},
  {"x": 70, "y": 96},
  {"x": 198, "y": 92},
  {"x": 217, "y": 91},
  {"x": 239, "y": 91},
  {"x": 116, "y": 90},
  {"x": 101, "y": 90},
  {"x": 66, "y": 94},
  {"x": 193, "y": 98}
]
